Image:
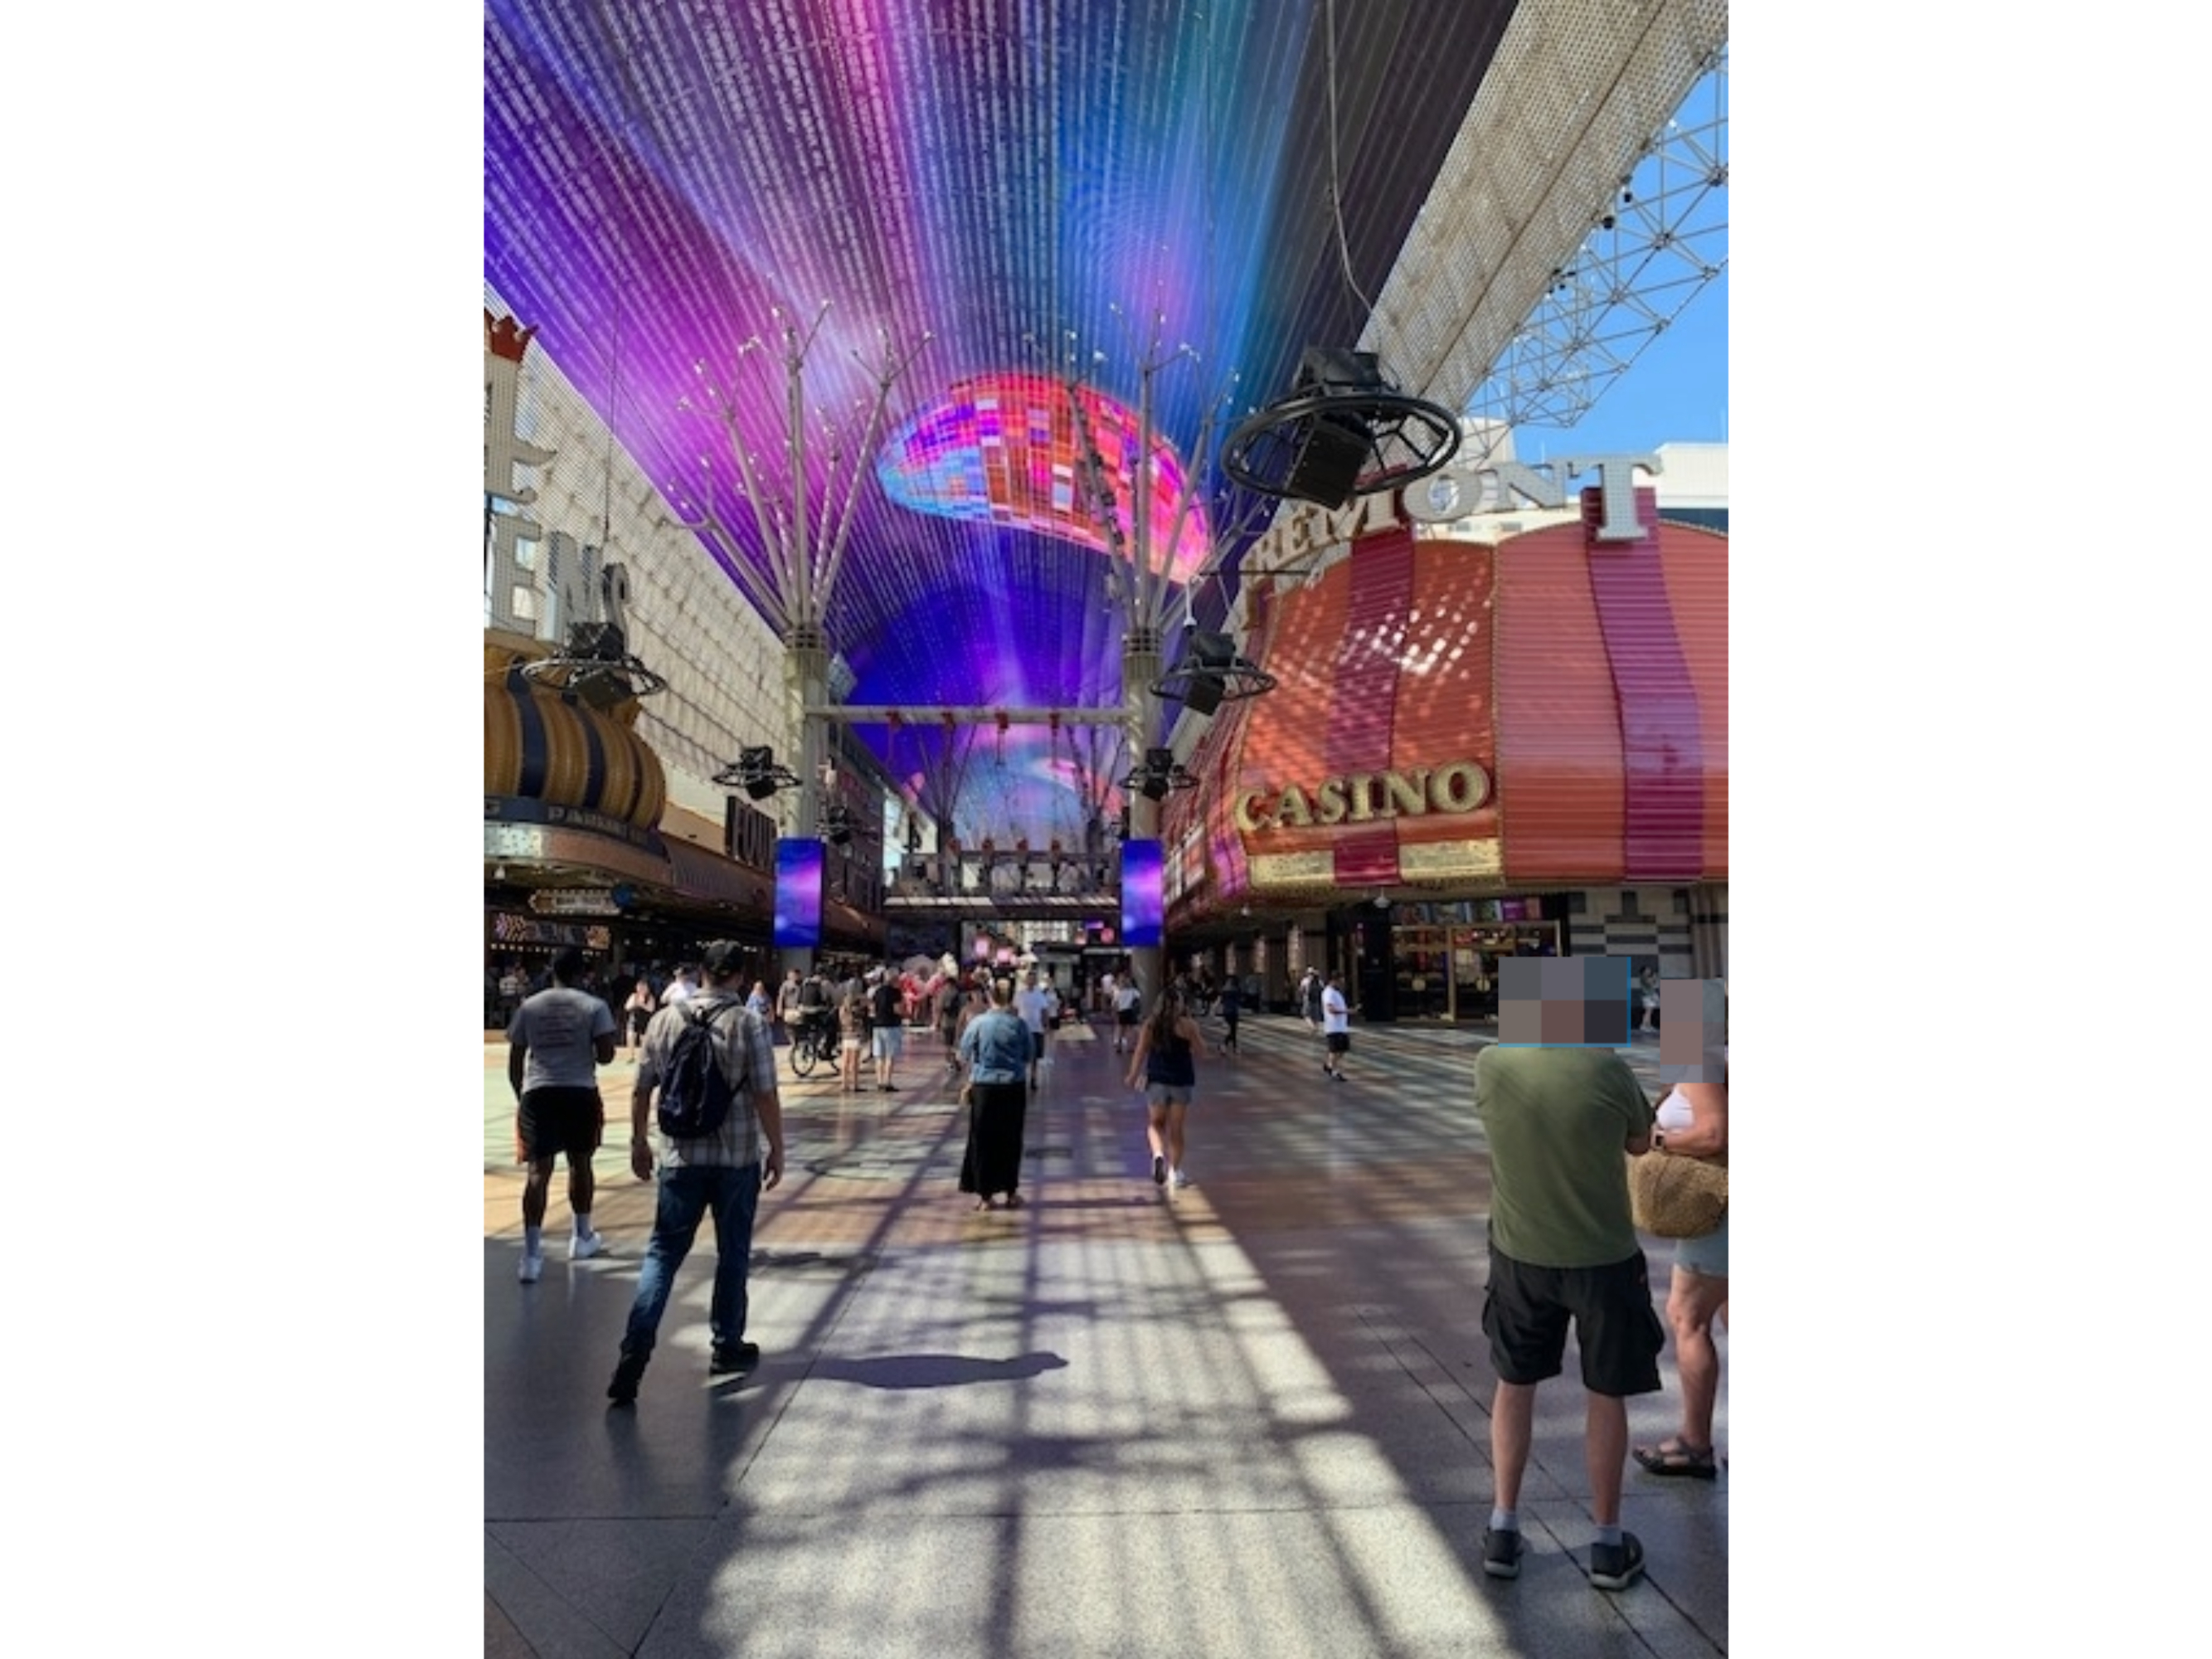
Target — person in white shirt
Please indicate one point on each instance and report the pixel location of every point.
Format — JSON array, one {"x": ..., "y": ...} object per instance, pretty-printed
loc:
[
  {"x": 556, "y": 1041},
  {"x": 1335, "y": 1026},
  {"x": 1127, "y": 1001},
  {"x": 1036, "y": 1004}
]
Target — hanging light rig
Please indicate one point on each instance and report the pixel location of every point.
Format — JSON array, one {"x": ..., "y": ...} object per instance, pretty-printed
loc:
[
  {"x": 1210, "y": 672},
  {"x": 1159, "y": 773},
  {"x": 756, "y": 772},
  {"x": 1340, "y": 433}
]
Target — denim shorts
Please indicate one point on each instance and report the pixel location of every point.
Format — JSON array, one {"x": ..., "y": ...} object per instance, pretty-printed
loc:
[
  {"x": 1707, "y": 1255},
  {"x": 1168, "y": 1094}
]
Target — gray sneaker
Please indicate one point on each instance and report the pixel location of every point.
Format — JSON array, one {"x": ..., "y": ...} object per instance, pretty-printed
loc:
[
  {"x": 1502, "y": 1553},
  {"x": 1616, "y": 1567}
]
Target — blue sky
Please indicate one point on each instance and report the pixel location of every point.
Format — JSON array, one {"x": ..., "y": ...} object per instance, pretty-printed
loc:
[{"x": 1675, "y": 393}]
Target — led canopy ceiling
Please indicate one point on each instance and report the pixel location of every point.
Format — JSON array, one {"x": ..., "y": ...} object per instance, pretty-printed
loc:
[
  {"x": 978, "y": 227},
  {"x": 1026, "y": 451}
]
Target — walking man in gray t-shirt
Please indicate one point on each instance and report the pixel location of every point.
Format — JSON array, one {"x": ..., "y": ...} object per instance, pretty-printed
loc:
[{"x": 555, "y": 1043}]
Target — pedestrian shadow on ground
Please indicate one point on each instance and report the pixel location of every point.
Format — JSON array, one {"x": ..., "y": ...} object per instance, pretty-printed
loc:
[{"x": 934, "y": 1370}]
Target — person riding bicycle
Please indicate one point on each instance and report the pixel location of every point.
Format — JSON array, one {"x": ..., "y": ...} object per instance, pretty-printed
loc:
[{"x": 813, "y": 1005}]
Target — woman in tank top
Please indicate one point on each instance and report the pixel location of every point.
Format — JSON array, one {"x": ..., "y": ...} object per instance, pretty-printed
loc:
[{"x": 1169, "y": 1045}]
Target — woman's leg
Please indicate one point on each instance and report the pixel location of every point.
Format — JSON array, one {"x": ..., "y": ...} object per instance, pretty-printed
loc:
[
  {"x": 1175, "y": 1135},
  {"x": 1156, "y": 1123},
  {"x": 1692, "y": 1300}
]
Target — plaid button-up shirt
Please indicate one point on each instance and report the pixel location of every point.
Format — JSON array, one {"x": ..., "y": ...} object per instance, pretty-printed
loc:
[{"x": 747, "y": 1054}]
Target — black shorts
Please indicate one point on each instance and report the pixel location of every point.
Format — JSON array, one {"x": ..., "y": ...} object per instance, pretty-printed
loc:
[
  {"x": 1340, "y": 1043},
  {"x": 1125, "y": 1016},
  {"x": 559, "y": 1120},
  {"x": 1525, "y": 1315}
]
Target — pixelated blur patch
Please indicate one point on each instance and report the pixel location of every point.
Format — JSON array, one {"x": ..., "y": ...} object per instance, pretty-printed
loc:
[
  {"x": 1693, "y": 1030},
  {"x": 1569, "y": 1002}
]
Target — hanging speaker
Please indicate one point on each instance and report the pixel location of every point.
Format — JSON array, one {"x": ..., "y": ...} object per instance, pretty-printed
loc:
[
  {"x": 1331, "y": 450},
  {"x": 1202, "y": 695}
]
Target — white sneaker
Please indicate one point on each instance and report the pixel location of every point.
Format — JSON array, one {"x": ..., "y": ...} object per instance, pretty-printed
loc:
[
  {"x": 1180, "y": 1179},
  {"x": 584, "y": 1246},
  {"x": 531, "y": 1266}
]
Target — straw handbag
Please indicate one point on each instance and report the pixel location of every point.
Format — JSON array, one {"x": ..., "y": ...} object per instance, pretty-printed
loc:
[{"x": 1672, "y": 1195}]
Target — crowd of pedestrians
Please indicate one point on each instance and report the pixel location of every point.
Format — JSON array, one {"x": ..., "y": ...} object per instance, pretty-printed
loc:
[{"x": 1564, "y": 1253}]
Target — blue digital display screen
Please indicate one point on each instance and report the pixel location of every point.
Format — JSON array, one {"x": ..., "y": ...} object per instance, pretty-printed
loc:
[
  {"x": 798, "y": 894},
  {"x": 1142, "y": 906}
]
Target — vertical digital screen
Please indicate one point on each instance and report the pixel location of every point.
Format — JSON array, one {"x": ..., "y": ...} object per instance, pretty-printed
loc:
[
  {"x": 1141, "y": 907},
  {"x": 798, "y": 894}
]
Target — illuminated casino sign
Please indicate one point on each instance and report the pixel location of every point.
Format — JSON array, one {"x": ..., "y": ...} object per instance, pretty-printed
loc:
[
  {"x": 1364, "y": 796},
  {"x": 1466, "y": 490}
]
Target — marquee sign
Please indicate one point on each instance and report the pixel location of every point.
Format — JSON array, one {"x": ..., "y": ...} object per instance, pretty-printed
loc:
[{"x": 1364, "y": 797}]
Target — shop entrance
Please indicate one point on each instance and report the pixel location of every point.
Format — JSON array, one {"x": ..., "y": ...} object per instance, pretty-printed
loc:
[{"x": 1449, "y": 970}]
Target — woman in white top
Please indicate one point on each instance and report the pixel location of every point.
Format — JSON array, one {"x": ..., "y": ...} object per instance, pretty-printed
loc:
[{"x": 1692, "y": 1119}]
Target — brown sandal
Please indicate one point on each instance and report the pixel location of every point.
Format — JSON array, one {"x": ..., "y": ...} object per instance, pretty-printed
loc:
[{"x": 1676, "y": 1456}]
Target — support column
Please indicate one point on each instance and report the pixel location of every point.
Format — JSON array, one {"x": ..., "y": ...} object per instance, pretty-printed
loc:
[
  {"x": 1140, "y": 670},
  {"x": 807, "y": 675}
]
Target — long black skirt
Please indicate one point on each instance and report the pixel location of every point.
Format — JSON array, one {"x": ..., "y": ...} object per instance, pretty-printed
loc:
[{"x": 993, "y": 1162}]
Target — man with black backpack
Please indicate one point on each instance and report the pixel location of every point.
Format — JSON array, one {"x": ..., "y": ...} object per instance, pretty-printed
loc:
[
  {"x": 709, "y": 1067},
  {"x": 815, "y": 1003},
  {"x": 886, "y": 1028}
]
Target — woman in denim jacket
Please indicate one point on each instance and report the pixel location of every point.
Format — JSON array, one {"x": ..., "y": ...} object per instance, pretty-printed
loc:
[{"x": 996, "y": 1048}]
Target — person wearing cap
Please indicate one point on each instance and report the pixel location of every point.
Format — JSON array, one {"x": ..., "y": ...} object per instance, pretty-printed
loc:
[
  {"x": 557, "y": 1039},
  {"x": 722, "y": 1173},
  {"x": 886, "y": 1028}
]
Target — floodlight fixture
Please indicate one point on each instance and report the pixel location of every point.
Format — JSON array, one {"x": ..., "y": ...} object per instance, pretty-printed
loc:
[
  {"x": 1212, "y": 673},
  {"x": 755, "y": 771},
  {"x": 595, "y": 668},
  {"x": 1341, "y": 433},
  {"x": 1159, "y": 773}
]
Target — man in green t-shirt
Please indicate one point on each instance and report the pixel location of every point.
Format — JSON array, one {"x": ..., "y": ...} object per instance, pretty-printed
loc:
[{"x": 1562, "y": 1248}]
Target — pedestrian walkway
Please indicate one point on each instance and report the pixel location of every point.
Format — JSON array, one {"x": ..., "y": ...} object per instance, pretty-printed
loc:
[{"x": 1249, "y": 1419}]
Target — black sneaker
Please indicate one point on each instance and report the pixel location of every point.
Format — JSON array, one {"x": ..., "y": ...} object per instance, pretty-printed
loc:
[
  {"x": 628, "y": 1371},
  {"x": 1616, "y": 1567},
  {"x": 1159, "y": 1170},
  {"x": 735, "y": 1357},
  {"x": 1501, "y": 1552}
]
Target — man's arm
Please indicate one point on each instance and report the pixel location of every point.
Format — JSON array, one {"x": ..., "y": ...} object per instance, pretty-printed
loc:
[
  {"x": 517, "y": 1052},
  {"x": 640, "y": 1108},
  {"x": 769, "y": 1105},
  {"x": 1639, "y": 1136}
]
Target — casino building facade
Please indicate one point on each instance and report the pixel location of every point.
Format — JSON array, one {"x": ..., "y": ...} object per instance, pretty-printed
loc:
[{"x": 1489, "y": 737}]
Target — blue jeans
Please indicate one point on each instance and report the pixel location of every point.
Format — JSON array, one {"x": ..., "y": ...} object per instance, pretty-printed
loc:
[{"x": 687, "y": 1194}]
